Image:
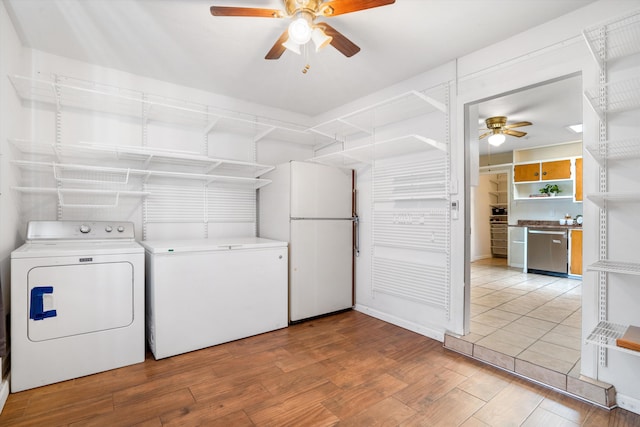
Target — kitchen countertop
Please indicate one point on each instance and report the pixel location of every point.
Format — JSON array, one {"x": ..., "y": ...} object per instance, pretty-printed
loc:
[{"x": 545, "y": 224}]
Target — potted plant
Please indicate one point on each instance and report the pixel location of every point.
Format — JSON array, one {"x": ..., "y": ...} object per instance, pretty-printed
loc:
[{"x": 551, "y": 190}]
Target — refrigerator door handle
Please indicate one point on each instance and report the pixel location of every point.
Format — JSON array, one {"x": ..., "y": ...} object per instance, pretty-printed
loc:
[{"x": 356, "y": 224}]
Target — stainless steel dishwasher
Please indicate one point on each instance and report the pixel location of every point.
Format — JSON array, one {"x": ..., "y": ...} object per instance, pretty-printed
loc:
[{"x": 547, "y": 250}]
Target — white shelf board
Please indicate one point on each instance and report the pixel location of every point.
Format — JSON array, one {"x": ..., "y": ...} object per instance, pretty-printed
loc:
[
  {"x": 544, "y": 198},
  {"x": 540, "y": 181},
  {"x": 608, "y": 266},
  {"x": 601, "y": 198},
  {"x": 497, "y": 169},
  {"x": 626, "y": 149},
  {"x": 605, "y": 334}
]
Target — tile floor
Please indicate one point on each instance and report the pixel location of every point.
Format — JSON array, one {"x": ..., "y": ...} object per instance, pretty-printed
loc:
[{"x": 530, "y": 317}]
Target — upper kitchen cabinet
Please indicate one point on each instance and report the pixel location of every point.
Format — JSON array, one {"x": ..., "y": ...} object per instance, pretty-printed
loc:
[
  {"x": 578, "y": 181},
  {"x": 530, "y": 179},
  {"x": 545, "y": 171},
  {"x": 560, "y": 169},
  {"x": 526, "y": 172}
]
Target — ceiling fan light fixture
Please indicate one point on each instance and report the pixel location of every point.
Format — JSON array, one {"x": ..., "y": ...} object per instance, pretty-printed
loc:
[
  {"x": 292, "y": 46},
  {"x": 300, "y": 29},
  {"x": 496, "y": 139},
  {"x": 320, "y": 39}
]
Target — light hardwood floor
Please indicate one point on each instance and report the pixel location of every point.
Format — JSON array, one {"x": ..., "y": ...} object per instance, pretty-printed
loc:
[{"x": 349, "y": 369}]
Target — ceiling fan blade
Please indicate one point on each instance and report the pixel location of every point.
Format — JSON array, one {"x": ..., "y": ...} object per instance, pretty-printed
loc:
[
  {"x": 514, "y": 133},
  {"x": 246, "y": 11},
  {"x": 340, "y": 7},
  {"x": 340, "y": 42},
  {"x": 484, "y": 135},
  {"x": 517, "y": 125},
  {"x": 278, "y": 49}
]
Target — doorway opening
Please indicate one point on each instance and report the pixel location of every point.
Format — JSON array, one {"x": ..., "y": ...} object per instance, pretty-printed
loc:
[{"x": 523, "y": 321}]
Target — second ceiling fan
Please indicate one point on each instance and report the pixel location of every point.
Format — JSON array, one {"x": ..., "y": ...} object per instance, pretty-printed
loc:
[
  {"x": 498, "y": 128},
  {"x": 303, "y": 26}
]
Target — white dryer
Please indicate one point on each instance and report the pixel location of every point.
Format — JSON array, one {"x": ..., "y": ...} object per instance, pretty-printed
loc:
[{"x": 77, "y": 301}]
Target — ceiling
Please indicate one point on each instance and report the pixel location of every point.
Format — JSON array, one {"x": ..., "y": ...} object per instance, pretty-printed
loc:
[{"x": 179, "y": 41}]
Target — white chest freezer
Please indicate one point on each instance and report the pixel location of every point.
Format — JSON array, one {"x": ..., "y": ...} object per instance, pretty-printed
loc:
[{"x": 210, "y": 291}]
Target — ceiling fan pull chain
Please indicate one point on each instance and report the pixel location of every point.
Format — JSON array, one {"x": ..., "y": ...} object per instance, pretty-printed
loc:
[{"x": 306, "y": 68}]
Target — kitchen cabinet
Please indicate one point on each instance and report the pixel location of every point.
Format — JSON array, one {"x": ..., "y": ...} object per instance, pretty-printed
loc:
[
  {"x": 556, "y": 170},
  {"x": 575, "y": 252},
  {"x": 611, "y": 100},
  {"x": 526, "y": 172},
  {"x": 578, "y": 181},
  {"x": 517, "y": 247},
  {"x": 529, "y": 178},
  {"x": 545, "y": 171}
]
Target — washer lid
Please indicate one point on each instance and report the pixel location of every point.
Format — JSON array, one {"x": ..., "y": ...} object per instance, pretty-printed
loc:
[
  {"x": 38, "y": 249},
  {"x": 200, "y": 245}
]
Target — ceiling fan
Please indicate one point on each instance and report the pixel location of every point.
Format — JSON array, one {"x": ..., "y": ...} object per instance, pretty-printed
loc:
[
  {"x": 303, "y": 26},
  {"x": 498, "y": 128}
]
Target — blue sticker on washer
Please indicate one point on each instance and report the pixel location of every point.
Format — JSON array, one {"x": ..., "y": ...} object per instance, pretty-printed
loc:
[{"x": 36, "y": 311}]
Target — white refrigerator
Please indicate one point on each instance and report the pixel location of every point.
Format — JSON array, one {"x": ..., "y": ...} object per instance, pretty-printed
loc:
[{"x": 311, "y": 206}]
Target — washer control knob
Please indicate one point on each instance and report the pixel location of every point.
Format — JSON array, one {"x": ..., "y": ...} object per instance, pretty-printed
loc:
[
  {"x": 108, "y": 229},
  {"x": 84, "y": 228},
  {"x": 120, "y": 228}
]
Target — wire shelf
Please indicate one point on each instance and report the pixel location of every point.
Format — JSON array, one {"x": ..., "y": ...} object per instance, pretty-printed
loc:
[
  {"x": 615, "y": 150},
  {"x": 621, "y": 96},
  {"x": 615, "y": 267},
  {"x": 363, "y": 122},
  {"x": 605, "y": 334},
  {"x": 104, "y": 176},
  {"x": 67, "y": 92},
  {"x": 145, "y": 158},
  {"x": 84, "y": 198},
  {"x": 394, "y": 147},
  {"x": 620, "y": 37}
]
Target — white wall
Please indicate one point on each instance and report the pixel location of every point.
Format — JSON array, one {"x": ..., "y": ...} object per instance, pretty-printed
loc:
[
  {"x": 480, "y": 201},
  {"x": 12, "y": 60}
]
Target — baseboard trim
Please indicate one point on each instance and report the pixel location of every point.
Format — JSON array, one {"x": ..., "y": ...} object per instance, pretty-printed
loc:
[
  {"x": 403, "y": 323},
  {"x": 631, "y": 404},
  {"x": 4, "y": 391}
]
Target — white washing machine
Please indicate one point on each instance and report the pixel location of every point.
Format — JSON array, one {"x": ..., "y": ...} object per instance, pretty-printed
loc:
[{"x": 77, "y": 301}]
